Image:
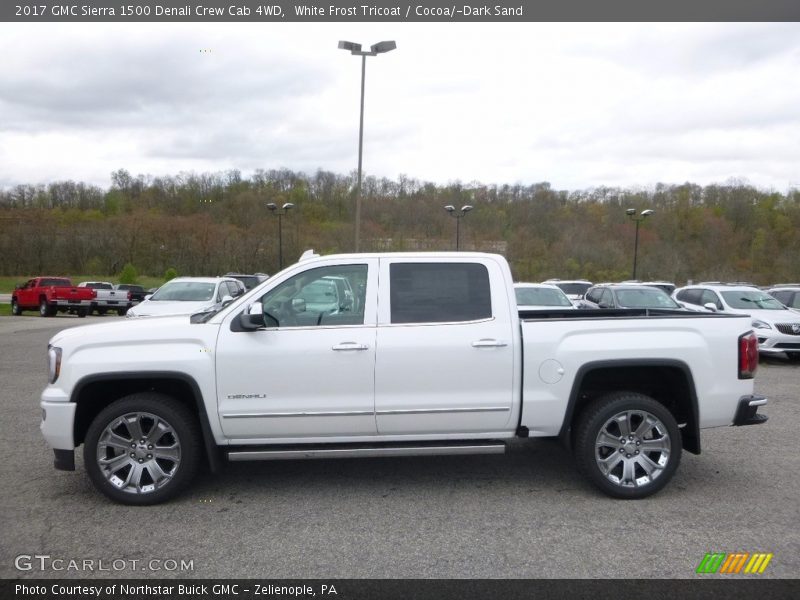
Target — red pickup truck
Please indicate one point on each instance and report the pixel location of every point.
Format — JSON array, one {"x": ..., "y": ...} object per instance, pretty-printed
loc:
[{"x": 50, "y": 295}]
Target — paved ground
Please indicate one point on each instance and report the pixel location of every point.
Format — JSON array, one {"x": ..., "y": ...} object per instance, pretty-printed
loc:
[{"x": 525, "y": 514}]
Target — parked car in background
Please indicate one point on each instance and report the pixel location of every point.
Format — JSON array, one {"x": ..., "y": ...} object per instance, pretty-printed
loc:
[
  {"x": 106, "y": 297},
  {"x": 137, "y": 294},
  {"x": 665, "y": 286},
  {"x": 573, "y": 288},
  {"x": 787, "y": 294},
  {"x": 249, "y": 281},
  {"x": 188, "y": 295},
  {"x": 541, "y": 296},
  {"x": 777, "y": 327},
  {"x": 50, "y": 295},
  {"x": 621, "y": 295}
]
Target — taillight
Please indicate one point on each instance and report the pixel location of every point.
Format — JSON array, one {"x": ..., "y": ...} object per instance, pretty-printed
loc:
[{"x": 748, "y": 355}]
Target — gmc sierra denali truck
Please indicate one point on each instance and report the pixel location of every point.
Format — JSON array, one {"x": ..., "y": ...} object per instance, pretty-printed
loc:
[{"x": 431, "y": 356}]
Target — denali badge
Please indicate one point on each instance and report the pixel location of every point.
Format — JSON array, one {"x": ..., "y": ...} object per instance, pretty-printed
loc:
[{"x": 244, "y": 396}]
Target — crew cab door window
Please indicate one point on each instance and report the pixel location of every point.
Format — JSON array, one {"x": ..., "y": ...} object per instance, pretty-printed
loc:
[
  {"x": 439, "y": 293},
  {"x": 317, "y": 298}
]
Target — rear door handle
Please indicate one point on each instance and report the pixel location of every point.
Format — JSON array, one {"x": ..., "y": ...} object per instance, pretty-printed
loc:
[
  {"x": 489, "y": 344},
  {"x": 349, "y": 346}
]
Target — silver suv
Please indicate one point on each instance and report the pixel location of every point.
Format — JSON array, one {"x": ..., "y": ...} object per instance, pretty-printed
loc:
[{"x": 777, "y": 327}]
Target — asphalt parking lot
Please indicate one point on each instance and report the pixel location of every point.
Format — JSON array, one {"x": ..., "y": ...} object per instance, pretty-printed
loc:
[{"x": 525, "y": 514}]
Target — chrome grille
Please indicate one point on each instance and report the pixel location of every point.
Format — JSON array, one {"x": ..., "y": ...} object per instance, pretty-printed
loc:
[{"x": 788, "y": 328}]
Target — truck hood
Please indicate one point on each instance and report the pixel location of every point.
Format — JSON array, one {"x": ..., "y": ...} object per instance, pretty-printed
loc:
[
  {"x": 148, "y": 308},
  {"x": 129, "y": 330},
  {"x": 771, "y": 316}
]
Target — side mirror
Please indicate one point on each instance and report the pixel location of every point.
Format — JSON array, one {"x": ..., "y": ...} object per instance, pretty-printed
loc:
[
  {"x": 604, "y": 305},
  {"x": 251, "y": 321},
  {"x": 226, "y": 299},
  {"x": 298, "y": 305},
  {"x": 710, "y": 306}
]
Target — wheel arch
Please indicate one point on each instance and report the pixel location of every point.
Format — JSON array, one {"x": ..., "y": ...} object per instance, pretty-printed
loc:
[
  {"x": 94, "y": 392},
  {"x": 668, "y": 381}
]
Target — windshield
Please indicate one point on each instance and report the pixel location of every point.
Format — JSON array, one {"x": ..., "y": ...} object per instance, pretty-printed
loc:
[
  {"x": 644, "y": 298},
  {"x": 750, "y": 299},
  {"x": 530, "y": 296},
  {"x": 574, "y": 289},
  {"x": 184, "y": 291}
]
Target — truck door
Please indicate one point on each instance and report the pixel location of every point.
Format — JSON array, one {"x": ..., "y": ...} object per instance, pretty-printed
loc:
[
  {"x": 445, "y": 355},
  {"x": 310, "y": 372}
]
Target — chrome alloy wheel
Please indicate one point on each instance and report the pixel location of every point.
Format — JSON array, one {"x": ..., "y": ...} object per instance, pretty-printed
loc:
[
  {"x": 632, "y": 448},
  {"x": 138, "y": 452}
]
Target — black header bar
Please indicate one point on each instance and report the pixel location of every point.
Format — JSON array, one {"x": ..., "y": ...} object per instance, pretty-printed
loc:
[{"x": 399, "y": 11}]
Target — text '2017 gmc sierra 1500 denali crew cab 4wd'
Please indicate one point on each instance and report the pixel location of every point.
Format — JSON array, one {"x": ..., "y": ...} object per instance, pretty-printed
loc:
[{"x": 430, "y": 356}]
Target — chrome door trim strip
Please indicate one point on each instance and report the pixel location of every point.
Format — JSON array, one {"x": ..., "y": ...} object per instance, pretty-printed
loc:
[
  {"x": 343, "y": 413},
  {"x": 425, "y": 411}
]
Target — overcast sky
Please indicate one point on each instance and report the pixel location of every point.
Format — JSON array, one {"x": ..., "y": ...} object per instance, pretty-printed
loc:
[{"x": 579, "y": 105}]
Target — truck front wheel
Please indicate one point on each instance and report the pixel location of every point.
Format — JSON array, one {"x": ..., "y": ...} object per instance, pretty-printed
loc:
[
  {"x": 15, "y": 309},
  {"x": 142, "y": 449},
  {"x": 628, "y": 445}
]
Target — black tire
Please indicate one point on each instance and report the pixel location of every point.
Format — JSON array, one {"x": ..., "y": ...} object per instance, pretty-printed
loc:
[
  {"x": 183, "y": 431},
  {"x": 82, "y": 312},
  {"x": 15, "y": 309},
  {"x": 102, "y": 311},
  {"x": 44, "y": 309},
  {"x": 628, "y": 477},
  {"x": 122, "y": 311}
]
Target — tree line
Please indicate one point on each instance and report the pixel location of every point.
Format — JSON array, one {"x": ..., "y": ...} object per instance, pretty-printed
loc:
[{"x": 212, "y": 223}]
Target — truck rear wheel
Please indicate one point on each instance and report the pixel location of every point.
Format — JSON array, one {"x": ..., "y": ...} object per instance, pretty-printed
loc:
[
  {"x": 142, "y": 449},
  {"x": 628, "y": 445},
  {"x": 45, "y": 310}
]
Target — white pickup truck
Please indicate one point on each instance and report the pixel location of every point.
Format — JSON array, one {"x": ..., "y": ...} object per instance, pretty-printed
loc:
[{"x": 430, "y": 356}]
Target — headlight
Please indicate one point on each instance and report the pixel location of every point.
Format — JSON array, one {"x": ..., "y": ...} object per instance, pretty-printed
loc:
[
  {"x": 53, "y": 363},
  {"x": 761, "y": 324}
]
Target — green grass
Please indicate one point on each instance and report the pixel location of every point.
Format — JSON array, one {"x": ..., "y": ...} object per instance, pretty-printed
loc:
[
  {"x": 5, "y": 310},
  {"x": 7, "y": 283}
]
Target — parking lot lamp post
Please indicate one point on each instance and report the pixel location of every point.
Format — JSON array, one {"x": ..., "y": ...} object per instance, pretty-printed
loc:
[
  {"x": 631, "y": 212},
  {"x": 273, "y": 208},
  {"x": 374, "y": 50},
  {"x": 458, "y": 215}
]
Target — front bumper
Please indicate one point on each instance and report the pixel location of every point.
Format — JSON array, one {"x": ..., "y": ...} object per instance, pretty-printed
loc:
[
  {"x": 775, "y": 342},
  {"x": 747, "y": 412}
]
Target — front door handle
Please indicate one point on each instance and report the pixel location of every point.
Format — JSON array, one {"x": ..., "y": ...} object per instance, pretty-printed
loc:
[
  {"x": 349, "y": 346},
  {"x": 485, "y": 343}
]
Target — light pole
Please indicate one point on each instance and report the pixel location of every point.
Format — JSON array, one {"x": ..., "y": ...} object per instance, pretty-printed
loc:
[
  {"x": 458, "y": 215},
  {"x": 374, "y": 50},
  {"x": 273, "y": 208},
  {"x": 631, "y": 212}
]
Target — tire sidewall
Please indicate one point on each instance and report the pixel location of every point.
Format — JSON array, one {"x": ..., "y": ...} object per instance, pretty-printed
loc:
[
  {"x": 597, "y": 415},
  {"x": 15, "y": 307},
  {"x": 176, "y": 415}
]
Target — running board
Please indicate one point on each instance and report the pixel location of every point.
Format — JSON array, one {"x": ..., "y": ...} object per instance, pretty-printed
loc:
[{"x": 371, "y": 451}]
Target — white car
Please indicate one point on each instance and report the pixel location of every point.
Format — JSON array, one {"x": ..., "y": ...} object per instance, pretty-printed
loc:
[
  {"x": 573, "y": 288},
  {"x": 189, "y": 295},
  {"x": 541, "y": 296},
  {"x": 776, "y": 326}
]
